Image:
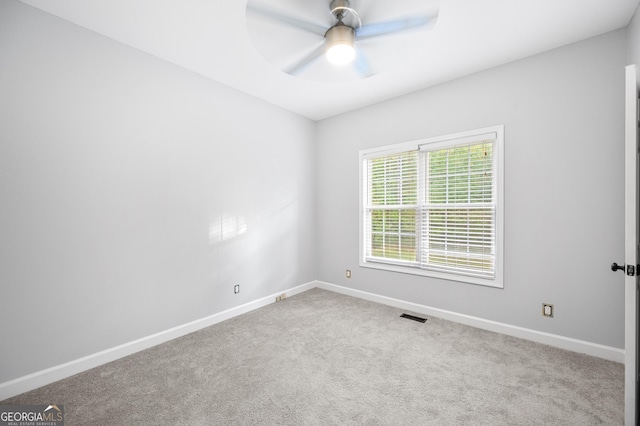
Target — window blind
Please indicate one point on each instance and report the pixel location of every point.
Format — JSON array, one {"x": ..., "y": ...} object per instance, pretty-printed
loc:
[
  {"x": 459, "y": 210},
  {"x": 434, "y": 207},
  {"x": 391, "y": 207}
]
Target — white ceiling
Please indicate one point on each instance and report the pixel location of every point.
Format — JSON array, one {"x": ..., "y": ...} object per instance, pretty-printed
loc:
[{"x": 215, "y": 39}]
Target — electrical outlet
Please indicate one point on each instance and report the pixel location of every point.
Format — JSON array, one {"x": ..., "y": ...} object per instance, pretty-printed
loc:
[
  {"x": 348, "y": 273},
  {"x": 236, "y": 289},
  {"x": 547, "y": 310}
]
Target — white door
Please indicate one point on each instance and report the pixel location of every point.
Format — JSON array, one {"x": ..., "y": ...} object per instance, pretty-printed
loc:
[{"x": 631, "y": 248}]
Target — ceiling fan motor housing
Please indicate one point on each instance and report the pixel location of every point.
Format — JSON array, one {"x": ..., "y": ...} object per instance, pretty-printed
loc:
[{"x": 340, "y": 34}]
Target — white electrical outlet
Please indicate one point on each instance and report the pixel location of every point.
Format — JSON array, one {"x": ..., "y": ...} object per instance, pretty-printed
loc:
[
  {"x": 348, "y": 273},
  {"x": 547, "y": 310},
  {"x": 236, "y": 289}
]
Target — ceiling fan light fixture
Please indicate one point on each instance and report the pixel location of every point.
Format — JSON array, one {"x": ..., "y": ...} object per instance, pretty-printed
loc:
[{"x": 340, "y": 44}]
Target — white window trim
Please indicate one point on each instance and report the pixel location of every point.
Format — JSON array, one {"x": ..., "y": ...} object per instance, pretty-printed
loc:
[{"x": 498, "y": 281}]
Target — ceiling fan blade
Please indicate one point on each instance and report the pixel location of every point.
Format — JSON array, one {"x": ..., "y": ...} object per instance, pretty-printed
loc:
[
  {"x": 362, "y": 65},
  {"x": 376, "y": 29},
  {"x": 289, "y": 20},
  {"x": 306, "y": 62}
]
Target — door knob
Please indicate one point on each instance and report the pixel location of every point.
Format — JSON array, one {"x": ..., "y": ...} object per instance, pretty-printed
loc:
[{"x": 615, "y": 267}]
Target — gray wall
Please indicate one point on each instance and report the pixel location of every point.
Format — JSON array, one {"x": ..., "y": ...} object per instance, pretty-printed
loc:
[
  {"x": 633, "y": 39},
  {"x": 563, "y": 117},
  {"x": 117, "y": 173}
]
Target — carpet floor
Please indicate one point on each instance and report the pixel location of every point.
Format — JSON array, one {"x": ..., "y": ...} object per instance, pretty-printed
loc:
[{"x": 322, "y": 358}]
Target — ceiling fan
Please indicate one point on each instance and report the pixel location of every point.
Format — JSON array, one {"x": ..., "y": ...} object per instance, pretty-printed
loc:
[{"x": 344, "y": 40}]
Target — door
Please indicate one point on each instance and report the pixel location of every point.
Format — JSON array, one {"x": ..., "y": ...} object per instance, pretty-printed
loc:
[{"x": 631, "y": 248}]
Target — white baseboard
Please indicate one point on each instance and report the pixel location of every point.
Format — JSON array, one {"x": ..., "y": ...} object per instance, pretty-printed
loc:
[
  {"x": 59, "y": 372},
  {"x": 575, "y": 345}
]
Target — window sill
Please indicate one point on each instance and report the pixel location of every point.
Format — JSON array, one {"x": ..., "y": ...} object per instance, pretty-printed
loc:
[{"x": 495, "y": 283}]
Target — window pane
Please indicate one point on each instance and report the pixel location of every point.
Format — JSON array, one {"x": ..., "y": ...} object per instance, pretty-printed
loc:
[
  {"x": 393, "y": 180},
  {"x": 460, "y": 175},
  {"x": 377, "y": 245},
  {"x": 408, "y": 221},
  {"x": 458, "y": 189},
  {"x": 459, "y": 238},
  {"x": 408, "y": 247},
  {"x": 438, "y": 163},
  {"x": 458, "y": 161},
  {"x": 391, "y": 246},
  {"x": 438, "y": 190},
  {"x": 393, "y": 234},
  {"x": 377, "y": 221}
]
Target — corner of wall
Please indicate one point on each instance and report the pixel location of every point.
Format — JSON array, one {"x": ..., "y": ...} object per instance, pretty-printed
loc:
[{"x": 633, "y": 39}]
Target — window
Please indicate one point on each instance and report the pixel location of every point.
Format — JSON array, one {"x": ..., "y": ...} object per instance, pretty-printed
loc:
[{"x": 434, "y": 207}]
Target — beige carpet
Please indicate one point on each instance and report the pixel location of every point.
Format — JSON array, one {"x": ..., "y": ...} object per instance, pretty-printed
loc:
[{"x": 321, "y": 358}]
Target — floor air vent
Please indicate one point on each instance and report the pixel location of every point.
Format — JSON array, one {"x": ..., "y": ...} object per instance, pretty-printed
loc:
[{"x": 414, "y": 318}]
